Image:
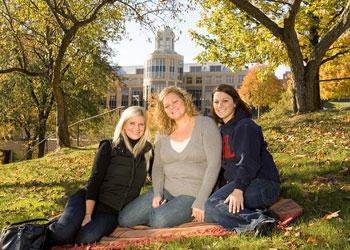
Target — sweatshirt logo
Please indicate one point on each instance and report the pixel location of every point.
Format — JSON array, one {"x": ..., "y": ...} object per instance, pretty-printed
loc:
[{"x": 226, "y": 148}]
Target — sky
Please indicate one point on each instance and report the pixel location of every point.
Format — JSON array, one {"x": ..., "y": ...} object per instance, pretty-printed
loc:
[{"x": 140, "y": 42}]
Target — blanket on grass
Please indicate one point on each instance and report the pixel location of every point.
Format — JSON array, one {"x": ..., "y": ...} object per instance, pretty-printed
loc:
[{"x": 285, "y": 210}]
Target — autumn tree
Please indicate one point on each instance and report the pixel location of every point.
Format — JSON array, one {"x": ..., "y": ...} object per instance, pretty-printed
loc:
[
  {"x": 299, "y": 33},
  {"x": 260, "y": 87},
  {"x": 25, "y": 106},
  {"x": 49, "y": 32},
  {"x": 335, "y": 77}
]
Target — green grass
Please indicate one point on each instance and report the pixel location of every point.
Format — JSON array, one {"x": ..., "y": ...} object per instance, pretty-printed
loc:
[
  {"x": 336, "y": 104},
  {"x": 312, "y": 152}
]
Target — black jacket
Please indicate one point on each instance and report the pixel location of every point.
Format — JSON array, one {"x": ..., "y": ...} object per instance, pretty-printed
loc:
[
  {"x": 245, "y": 155},
  {"x": 117, "y": 176}
]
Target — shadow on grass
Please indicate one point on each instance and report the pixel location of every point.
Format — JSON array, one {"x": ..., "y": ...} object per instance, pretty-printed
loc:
[
  {"x": 314, "y": 170},
  {"x": 316, "y": 204}
]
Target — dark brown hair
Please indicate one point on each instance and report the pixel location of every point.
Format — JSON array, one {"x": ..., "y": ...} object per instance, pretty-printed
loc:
[{"x": 239, "y": 103}]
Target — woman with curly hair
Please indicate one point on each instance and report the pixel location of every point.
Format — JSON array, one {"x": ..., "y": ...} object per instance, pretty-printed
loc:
[{"x": 186, "y": 165}]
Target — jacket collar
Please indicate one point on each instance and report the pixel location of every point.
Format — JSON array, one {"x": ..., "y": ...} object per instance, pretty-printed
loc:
[
  {"x": 146, "y": 148},
  {"x": 240, "y": 115}
]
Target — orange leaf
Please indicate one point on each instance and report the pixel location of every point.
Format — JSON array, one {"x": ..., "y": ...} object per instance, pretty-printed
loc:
[{"x": 312, "y": 239}]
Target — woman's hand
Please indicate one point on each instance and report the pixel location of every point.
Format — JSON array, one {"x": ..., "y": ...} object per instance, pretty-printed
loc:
[
  {"x": 198, "y": 214},
  {"x": 86, "y": 219},
  {"x": 235, "y": 201},
  {"x": 157, "y": 201}
]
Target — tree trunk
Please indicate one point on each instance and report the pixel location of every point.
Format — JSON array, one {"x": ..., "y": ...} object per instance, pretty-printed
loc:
[
  {"x": 306, "y": 87},
  {"x": 41, "y": 135},
  {"x": 61, "y": 119}
]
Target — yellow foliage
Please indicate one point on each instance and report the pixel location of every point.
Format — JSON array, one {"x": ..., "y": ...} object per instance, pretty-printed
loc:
[{"x": 337, "y": 69}]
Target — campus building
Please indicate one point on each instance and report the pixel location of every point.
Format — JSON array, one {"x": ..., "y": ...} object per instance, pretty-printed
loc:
[{"x": 164, "y": 67}]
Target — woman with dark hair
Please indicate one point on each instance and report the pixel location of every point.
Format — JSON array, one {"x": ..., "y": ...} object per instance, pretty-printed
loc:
[{"x": 249, "y": 173}]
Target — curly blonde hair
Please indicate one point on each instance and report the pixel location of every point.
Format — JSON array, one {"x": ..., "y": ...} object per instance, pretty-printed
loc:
[{"x": 164, "y": 124}]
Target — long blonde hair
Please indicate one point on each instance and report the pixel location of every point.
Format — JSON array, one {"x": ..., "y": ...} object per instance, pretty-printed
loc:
[
  {"x": 127, "y": 114},
  {"x": 164, "y": 124}
]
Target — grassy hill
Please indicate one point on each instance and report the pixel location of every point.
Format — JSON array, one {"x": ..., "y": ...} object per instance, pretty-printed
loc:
[{"x": 312, "y": 152}]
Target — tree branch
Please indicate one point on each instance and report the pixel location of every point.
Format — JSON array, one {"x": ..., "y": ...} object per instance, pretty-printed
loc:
[
  {"x": 290, "y": 20},
  {"x": 259, "y": 16},
  {"x": 20, "y": 70},
  {"x": 334, "y": 56},
  {"x": 54, "y": 12},
  {"x": 342, "y": 25}
]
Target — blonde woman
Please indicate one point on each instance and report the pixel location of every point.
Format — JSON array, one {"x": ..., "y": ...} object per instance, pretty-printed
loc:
[
  {"x": 186, "y": 165},
  {"x": 119, "y": 172}
]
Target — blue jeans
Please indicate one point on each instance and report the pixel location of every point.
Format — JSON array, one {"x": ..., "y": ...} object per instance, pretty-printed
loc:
[
  {"x": 259, "y": 195},
  {"x": 175, "y": 211},
  {"x": 68, "y": 230}
]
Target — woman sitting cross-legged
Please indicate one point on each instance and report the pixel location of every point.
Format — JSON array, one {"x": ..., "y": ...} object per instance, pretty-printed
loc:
[
  {"x": 118, "y": 173},
  {"x": 186, "y": 165},
  {"x": 250, "y": 176}
]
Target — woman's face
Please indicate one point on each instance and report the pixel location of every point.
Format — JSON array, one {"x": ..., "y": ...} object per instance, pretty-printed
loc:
[
  {"x": 135, "y": 127},
  {"x": 223, "y": 105},
  {"x": 174, "y": 106}
]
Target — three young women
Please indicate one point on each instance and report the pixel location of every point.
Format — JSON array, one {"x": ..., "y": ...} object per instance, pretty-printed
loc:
[
  {"x": 119, "y": 172},
  {"x": 186, "y": 165}
]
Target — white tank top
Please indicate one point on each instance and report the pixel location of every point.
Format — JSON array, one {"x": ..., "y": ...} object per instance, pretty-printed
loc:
[{"x": 179, "y": 146}]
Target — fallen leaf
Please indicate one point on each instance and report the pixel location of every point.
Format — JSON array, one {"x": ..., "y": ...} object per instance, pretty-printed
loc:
[
  {"x": 344, "y": 171},
  {"x": 297, "y": 234},
  {"x": 332, "y": 215},
  {"x": 312, "y": 239}
]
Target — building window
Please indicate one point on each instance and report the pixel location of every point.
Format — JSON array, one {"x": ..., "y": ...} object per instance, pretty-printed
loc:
[
  {"x": 188, "y": 80},
  {"x": 218, "y": 79},
  {"x": 172, "y": 69},
  {"x": 240, "y": 78},
  {"x": 215, "y": 68},
  {"x": 125, "y": 97},
  {"x": 196, "y": 97},
  {"x": 137, "y": 97},
  {"x": 208, "y": 80},
  {"x": 156, "y": 68},
  {"x": 198, "y": 80},
  {"x": 229, "y": 79},
  {"x": 180, "y": 70},
  {"x": 195, "y": 68},
  {"x": 207, "y": 99},
  {"x": 157, "y": 86},
  {"x": 139, "y": 71},
  {"x": 112, "y": 102}
]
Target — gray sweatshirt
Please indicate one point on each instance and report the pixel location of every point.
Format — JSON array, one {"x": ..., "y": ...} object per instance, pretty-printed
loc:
[{"x": 194, "y": 170}]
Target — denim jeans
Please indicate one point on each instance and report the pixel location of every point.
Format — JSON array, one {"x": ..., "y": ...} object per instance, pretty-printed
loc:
[
  {"x": 175, "y": 211},
  {"x": 259, "y": 195},
  {"x": 68, "y": 230}
]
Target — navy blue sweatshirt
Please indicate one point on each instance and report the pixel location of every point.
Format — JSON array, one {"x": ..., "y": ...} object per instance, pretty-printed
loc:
[{"x": 245, "y": 156}]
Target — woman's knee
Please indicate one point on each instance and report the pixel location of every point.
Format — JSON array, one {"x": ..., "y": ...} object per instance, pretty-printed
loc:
[
  {"x": 157, "y": 220},
  {"x": 125, "y": 219},
  {"x": 87, "y": 237},
  {"x": 58, "y": 235}
]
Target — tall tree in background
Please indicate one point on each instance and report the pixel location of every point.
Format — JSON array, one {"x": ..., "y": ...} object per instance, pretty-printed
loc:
[
  {"x": 29, "y": 27},
  {"x": 299, "y": 33},
  {"x": 336, "y": 76},
  {"x": 260, "y": 87}
]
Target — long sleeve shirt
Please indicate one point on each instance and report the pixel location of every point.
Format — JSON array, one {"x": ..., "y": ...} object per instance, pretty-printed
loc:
[{"x": 192, "y": 171}]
